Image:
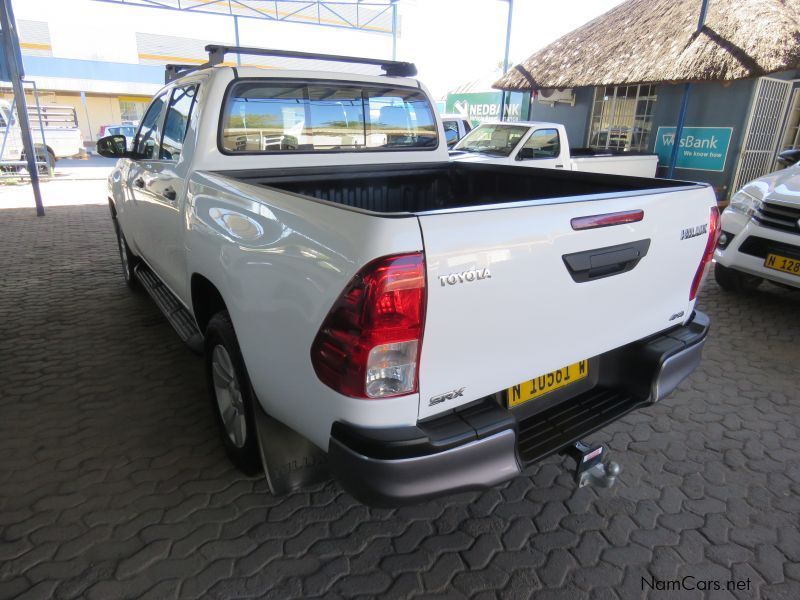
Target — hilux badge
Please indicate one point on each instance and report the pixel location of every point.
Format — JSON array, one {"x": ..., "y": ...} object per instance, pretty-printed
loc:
[{"x": 694, "y": 231}]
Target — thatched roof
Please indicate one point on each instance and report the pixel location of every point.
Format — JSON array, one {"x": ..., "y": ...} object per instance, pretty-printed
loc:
[{"x": 643, "y": 41}]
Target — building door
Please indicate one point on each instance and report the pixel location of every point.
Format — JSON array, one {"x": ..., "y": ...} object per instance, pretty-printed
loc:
[{"x": 764, "y": 125}]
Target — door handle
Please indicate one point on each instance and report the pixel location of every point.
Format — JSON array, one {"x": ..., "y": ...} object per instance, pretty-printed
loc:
[
  {"x": 170, "y": 194},
  {"x": 559, "y": 166},
  {"x": 605, "y": 262},
  {"x": 138, "y": 182}
]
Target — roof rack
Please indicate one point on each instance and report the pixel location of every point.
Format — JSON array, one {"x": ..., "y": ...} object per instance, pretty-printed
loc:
[
  {"x": 173, "y": 72},
  {"x": 392, "y": 68}
]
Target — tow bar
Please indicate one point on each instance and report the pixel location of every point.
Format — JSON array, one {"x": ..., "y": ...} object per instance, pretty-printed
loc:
[{"x": 590, "y": 468}]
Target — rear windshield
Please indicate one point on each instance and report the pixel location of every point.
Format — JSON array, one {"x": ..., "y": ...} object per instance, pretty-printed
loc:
[{"x": 289, "y": 116}]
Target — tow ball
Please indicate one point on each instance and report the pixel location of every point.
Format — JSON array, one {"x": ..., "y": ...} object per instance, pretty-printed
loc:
[{"x": 590, "y": 465}]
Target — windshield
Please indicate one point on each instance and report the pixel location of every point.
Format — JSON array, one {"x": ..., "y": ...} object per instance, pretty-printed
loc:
[{"x": 498, "y": 140}]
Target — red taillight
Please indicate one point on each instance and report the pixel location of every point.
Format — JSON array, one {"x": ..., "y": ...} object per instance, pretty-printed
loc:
[
  {"x": 369, "y": 344},
  {"x": 607, "y": 219},
  {"x": 714, "y": 231}
]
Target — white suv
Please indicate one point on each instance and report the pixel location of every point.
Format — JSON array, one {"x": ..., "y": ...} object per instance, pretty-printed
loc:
[{"x": 761, "y": 234}]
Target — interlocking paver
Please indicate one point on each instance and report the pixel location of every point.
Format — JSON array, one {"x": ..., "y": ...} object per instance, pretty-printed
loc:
[{"x": 113, "y": 482}]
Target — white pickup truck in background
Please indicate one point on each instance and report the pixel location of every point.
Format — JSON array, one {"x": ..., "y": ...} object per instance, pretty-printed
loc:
[
  {"x": 545, "y": 145},
  {"x": 455, "y": 128},
  {"x": 368, "y": 308},
  {"x": 62, "y": 137}
]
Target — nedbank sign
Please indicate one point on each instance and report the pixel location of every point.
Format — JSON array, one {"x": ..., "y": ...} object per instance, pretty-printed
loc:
[
  {"x": 485, "y": 106},
  {"x": 701, "y": 148}
]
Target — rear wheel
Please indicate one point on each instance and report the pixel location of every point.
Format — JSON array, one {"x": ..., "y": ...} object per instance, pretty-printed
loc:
[
  {"x": 732, "y": 280},
  {"x": 127, "y": 259},
  {"x": 51, "y": 168},
  {"x": 232, "y": 396}
]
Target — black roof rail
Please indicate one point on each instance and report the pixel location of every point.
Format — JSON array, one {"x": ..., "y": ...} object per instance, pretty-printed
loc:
[
  {"x": 172, "y": 72},
  {"x": 392, "y": 68}
]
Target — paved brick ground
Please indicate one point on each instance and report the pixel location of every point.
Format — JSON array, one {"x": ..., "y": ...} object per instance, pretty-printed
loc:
[{"x": 113, "y": 483}]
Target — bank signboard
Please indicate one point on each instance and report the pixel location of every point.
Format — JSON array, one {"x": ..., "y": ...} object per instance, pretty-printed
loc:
[
  {"x": 485, "y": 106},
  {"x": 701, "y": 148}
]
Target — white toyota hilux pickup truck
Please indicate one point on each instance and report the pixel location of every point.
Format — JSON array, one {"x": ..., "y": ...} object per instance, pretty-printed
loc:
[
  {"x": 546, "y": 146},
  {"x": 369, "y": 309},
  {"x": 761, "y": 234}
]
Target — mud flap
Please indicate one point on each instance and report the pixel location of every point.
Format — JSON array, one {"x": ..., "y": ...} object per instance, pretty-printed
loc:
[{"x": 290, "y": 461}]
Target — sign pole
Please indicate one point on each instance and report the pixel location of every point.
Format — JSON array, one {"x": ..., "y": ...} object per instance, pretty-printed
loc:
[
  {"x": 505, "y": 58},
  {"x": 676, "y": 144},
  {"x": 13, "y": 60}
]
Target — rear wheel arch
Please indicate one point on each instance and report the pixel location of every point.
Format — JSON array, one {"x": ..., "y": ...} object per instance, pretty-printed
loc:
[{"x": 206, "y": 300}]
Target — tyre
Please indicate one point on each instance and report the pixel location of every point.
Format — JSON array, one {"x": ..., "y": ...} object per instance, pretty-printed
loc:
[
  {"x": 735, "y": 281},
  {"x": 232, "y": 397},
  {"x": 127, "y": 259},
  {"x": 51, "y": 157}
]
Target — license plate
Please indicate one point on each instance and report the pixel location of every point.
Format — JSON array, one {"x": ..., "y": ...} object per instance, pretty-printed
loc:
[
  {"x": 543, "y": 384},
  {"x": 781, "y": 263}
]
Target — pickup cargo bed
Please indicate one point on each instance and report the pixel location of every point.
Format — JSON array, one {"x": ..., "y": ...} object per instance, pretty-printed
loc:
[
  {"x": 514, "y": 290},
  {"x": 438, "y": 186}
]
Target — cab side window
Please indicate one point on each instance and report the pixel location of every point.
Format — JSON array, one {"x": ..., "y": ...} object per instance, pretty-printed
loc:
[
  {"x": 543, "y": 143},
  {"x": 177, "y": 122},
  {"x": 149, "y": 132}
]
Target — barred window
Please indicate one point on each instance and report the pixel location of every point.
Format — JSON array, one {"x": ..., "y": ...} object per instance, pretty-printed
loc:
[
  {"x": 791, "y": 134},
  {"x": 622, "y": 117}
]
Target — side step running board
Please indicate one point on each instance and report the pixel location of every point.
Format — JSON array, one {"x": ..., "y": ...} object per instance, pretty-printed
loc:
[{"x": 177, "y": 315}]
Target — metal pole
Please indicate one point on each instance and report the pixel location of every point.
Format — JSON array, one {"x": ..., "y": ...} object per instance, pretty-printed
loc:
[
  {"x": 676, "y": 142},
  {"x": 702, "y": 21},
  {"x": 236, "y": 36},
  {"x": 88, "y": 119},
  {"x": 394, "y": 30},
  {"x": 505, "y": 58},
  {"x": 41, "y": 129},
  {"x": 14, "y": 60},
  {"x": 8, "y": 128}
]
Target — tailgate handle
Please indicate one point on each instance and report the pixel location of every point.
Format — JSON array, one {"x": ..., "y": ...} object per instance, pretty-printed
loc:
[{"x": 605, "y": 262}]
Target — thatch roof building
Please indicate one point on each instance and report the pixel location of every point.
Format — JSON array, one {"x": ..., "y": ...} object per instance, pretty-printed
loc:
[{"x": 643, "y": 41}]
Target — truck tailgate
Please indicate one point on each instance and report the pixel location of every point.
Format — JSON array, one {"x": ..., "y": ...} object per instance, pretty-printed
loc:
[{"x": 504, "y": 305}]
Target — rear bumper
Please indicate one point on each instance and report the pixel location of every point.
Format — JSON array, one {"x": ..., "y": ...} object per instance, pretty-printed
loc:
[{"x": 485, "y": 444}]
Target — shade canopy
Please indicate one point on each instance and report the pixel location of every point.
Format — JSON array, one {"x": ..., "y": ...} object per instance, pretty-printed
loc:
[{"x": 654, "y": 41}]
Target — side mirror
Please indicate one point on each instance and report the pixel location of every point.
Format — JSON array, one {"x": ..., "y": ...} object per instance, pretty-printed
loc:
[
  {"x": 789, "y": 157},
  {"x": 525, "y": 154},
  {"x": 113, "y": 146}
]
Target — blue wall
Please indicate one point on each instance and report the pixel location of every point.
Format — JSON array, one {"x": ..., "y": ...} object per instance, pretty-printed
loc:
[
  {"x": 574, "y": 118},
  {"x": 710, "y": 105}
]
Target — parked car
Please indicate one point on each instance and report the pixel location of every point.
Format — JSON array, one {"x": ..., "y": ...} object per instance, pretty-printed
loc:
[
  {"x": 417, "y": 325},
  {"x": 62, "y": 137},
  {"x": 545, "y": 145},
  {"x": 455, "y": 128},
  {"x": 126, "y": 129},
  {"x": 788, "y": 157},
  {"x": 761, "y": 234}
]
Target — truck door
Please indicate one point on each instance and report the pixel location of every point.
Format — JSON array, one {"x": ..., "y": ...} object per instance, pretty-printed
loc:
[
  {"x": 160, "y": 189},
  {"x": 542, "y": 149}
]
